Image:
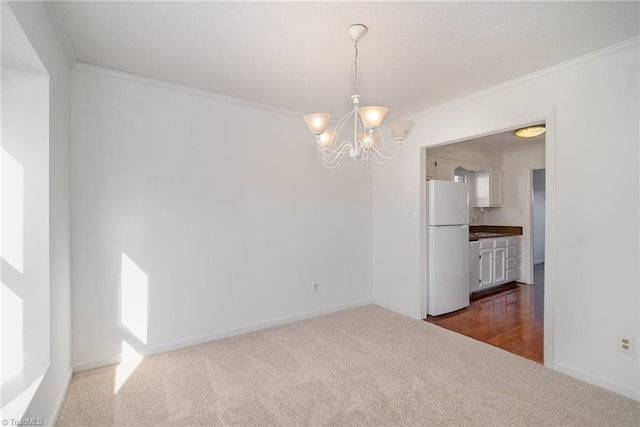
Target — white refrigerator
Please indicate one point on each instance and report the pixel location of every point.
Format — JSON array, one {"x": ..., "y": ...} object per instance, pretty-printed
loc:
[{"x": 448, "y": 246}]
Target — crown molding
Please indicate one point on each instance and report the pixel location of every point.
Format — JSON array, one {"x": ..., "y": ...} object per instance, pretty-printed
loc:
[
  {"x": 82, "y": 67},
  {"x": 633, "y": 43},
  {"x": 61, "y": 32}
]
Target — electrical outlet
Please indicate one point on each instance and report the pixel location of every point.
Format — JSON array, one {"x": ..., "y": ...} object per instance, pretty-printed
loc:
[
  {"x": 625, "y": 344},
  {"x": 316, "y": 286}
]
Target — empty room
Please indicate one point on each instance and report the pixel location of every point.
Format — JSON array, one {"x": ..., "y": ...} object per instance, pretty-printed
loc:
[{"x": 242, "y": 213}]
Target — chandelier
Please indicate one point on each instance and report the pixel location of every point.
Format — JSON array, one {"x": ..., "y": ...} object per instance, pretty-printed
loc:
[{"x": 368, "y": 142}]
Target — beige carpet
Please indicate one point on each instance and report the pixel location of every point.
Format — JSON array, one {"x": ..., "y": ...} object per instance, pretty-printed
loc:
[{"x": 361, "y": 366}]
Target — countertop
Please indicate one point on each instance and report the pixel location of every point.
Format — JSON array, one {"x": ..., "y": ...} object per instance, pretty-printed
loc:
[{"x": 493, "y": 231}]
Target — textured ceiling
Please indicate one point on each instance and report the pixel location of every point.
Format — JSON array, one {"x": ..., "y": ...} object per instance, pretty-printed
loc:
[
  {"x": 506, "y": 141},
  {"x": 297, "y": 55}
]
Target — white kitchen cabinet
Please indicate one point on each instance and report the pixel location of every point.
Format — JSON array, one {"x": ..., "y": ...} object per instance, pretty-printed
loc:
[
  {"x": 499, "y": 266},
  {"x": 499, "y": 262},
  {"x": 439, "y": 169},
  {"x": 487, "y": 186},
  {"x": 486, "y": 268},
  {"x": 513, "y": 259},
  {"x": 495, "y": 187}
]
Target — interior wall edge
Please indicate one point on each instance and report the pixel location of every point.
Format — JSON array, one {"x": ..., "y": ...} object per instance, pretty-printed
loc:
[
  {"x": 398, "y": 309},
  {"x": 83, "y": 67}
]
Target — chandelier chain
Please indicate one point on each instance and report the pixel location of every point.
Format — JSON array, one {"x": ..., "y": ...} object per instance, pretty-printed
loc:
[{"x": 355, "y": 70}]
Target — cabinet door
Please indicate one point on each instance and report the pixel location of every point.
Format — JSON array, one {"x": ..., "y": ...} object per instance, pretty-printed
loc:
[
  {"x": 495, "y": 187},
  {"x": 499, "y": 266},
  {"x": 479, "y": 198},
  {"x": 486, "y": 267},
  {"x": 431, "y": 167},
  {"x": 444, "y": 170}
]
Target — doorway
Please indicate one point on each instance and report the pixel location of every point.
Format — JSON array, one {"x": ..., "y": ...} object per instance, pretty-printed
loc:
[{"x": 514, "y": 314}]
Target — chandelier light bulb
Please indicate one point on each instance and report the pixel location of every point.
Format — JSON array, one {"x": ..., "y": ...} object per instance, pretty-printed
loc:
[
  {"x": 326, "y": 139},
  {"x": 317, "y": 122},
  {"x": 369, "y": 140},
  {"x": 372, "y": 116}
]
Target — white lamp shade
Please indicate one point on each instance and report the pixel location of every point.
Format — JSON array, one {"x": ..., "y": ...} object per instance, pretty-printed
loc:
[
  {"x": 401, "y": 128},
  {"x": 317, "y": 122},
  {"x": 369, "y": 140},
  {"x": 372, "y": 116},
  {"x": 326, "y": 139}
]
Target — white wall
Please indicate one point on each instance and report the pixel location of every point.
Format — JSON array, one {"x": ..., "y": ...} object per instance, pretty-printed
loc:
[
  {"x": 35, "y": 22},
  {"x": 594, "y": 294},
  {"x": 25, "y": 220},
  {"x": 516, "y": 204},
  {"x": 225, "y": 208},
  {"x": 538, "y": 215}
]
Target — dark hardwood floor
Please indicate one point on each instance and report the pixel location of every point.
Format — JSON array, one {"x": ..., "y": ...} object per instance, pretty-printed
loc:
[{"x": 510, "y": 317}]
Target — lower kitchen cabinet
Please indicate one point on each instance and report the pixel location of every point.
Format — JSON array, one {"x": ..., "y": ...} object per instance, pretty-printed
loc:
[
  {"x": 498, "y": 262},
  {"x": 486, "y": 268}
]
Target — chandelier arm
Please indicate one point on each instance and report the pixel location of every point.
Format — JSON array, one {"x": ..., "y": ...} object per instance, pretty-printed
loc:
[
  {"x": 384, "y": 144},
  {"x": 328, "y": 159},
  {"x": 331, "y": 162},
  {"x": 380, "y": 159},
  {"x": 341, "y": 150}
]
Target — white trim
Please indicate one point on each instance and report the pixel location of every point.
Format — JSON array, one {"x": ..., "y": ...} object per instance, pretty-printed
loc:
[
  {"x": 82, "y": 67},
  {"x": 58, "y": 406},
  {"x": 61, "y": 32},
  {"x": 530, "y": 201},
  {"x": 632, "y": 43},
  {"x": 597, "y": 381},
  {"x": 177, "y": 345},
  {"x": 549, "y": 236},
  {"x": 397, "y": 309},
  {"x": 422, "y": 232}
]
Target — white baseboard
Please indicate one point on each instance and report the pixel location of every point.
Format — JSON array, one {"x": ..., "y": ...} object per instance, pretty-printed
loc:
[
  {"x": 60, "y": 401},
  {"x": 600, "y": 382},
  {"x": 177, "y": 345},
  {"x": 398, "y": 310}
]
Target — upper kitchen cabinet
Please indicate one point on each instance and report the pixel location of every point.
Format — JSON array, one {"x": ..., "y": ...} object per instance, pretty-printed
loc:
[
  {"x": 488, "y": 188},
  {"x": 439, "y": 169}
]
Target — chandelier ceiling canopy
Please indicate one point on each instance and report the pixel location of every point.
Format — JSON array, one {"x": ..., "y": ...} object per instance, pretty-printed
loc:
[{"x": 368, "y": 143}]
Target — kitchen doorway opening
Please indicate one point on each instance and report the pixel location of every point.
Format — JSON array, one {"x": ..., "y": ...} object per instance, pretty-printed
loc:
[{"x": 516, "y": 315}]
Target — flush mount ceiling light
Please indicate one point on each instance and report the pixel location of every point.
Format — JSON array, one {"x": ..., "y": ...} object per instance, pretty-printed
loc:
[
  {"x": 530, "y": 131},
  {"x": 368, "y": 142}
]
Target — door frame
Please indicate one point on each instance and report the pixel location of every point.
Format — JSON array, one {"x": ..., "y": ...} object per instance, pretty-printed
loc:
[
  {"x": 531, "y": 222},
  {"x": 490, "y": 128}
]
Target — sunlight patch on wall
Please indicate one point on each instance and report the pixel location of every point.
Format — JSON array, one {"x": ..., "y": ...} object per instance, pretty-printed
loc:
[
  {"x": 129, "y": 361},
  {"x": 12, "y": 334},
  {"x": 134, "y": 293},
  {"x": 12, "y": 245}
]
